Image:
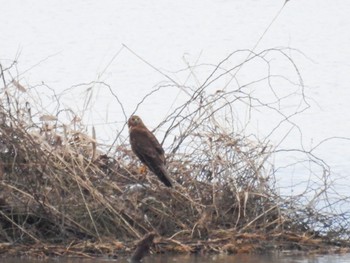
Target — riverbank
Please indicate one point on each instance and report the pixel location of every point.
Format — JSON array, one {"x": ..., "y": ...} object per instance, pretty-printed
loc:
[{"x": 233, "y": 244}]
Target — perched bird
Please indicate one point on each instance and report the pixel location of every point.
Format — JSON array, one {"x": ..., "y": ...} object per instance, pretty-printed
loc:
[{"x": 147, "y": 148}]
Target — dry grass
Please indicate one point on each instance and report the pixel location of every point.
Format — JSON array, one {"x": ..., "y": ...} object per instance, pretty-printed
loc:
[{"x": 60, "y": 194}]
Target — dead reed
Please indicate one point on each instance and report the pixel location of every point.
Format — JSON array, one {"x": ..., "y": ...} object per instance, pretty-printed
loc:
[{"x": 60, "y": 194}]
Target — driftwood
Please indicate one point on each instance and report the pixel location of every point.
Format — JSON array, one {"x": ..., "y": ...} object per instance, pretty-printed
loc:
[{"x": 142, "y": 247}]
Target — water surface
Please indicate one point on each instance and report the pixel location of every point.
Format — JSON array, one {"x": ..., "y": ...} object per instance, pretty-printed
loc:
[{"x": 204, "y": 259}]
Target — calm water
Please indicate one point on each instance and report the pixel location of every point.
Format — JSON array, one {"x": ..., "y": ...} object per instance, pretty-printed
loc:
[{"x": 206, "y": 259}]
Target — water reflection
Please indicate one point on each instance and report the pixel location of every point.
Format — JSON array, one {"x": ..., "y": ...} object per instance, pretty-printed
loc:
[{"x": 274, "y": 258}]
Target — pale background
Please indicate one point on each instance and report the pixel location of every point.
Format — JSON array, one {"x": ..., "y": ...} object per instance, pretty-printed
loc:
[{"x": 66, "y": 43}]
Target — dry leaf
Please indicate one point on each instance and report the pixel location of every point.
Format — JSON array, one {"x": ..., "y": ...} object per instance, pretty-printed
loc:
[
  {"x": 48, "y": 118},
  {"x": 19, "y": 86}
]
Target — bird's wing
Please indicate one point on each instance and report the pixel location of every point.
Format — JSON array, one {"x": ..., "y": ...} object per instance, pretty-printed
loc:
[
  {"x": 145, "y": 145},
  {"x": 150, "y": 152}
]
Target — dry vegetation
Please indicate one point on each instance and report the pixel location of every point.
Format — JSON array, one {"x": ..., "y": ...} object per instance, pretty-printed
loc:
[{"x": 62, "y": 194}]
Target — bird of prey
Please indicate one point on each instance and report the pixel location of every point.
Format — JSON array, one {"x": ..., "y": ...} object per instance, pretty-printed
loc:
[{"x": 147, "y": 148}]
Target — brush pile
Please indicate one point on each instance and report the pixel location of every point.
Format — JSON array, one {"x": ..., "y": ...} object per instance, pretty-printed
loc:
[{"x": 63, "y": 194}]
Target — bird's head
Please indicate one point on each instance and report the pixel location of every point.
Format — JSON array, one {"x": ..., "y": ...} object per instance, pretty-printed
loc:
[{"x": 134, "y": 121}]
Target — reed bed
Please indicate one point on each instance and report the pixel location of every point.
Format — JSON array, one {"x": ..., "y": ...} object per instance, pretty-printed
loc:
[{"x": 61, "y": 194}]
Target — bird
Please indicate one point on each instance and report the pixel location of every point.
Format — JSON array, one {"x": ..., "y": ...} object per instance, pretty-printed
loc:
[{"x": 147, "y": 148}]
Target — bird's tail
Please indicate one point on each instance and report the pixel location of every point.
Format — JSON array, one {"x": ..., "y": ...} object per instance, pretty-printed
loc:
[{"x": 163, "y": 176}]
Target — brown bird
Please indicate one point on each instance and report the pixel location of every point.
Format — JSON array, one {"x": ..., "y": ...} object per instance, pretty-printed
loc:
[{"x": 147, "y": 148}]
